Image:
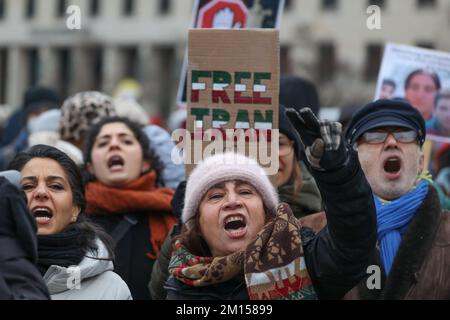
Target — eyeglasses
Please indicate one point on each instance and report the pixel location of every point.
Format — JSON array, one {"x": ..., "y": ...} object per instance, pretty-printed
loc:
[
  {"x": 285, "y": 147},
  {"x": 376, "y": 137}
]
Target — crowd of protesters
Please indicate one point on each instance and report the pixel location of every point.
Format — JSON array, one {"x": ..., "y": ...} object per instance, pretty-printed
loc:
[{"x": 102, "y": 212}]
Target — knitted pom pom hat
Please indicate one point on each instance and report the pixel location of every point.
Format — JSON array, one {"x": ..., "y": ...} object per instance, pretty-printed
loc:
[{"x": 221, "y": 168}]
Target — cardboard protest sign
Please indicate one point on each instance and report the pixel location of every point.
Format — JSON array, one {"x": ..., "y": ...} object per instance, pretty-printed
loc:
[
  {"x": 233, "y": 88},
  {"x": 231, "y": 14},
  {"x": 421, "y": 77}
]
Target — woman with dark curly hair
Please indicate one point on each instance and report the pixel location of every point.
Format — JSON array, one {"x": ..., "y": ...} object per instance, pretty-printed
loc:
[{"x": 124, "y": 196}]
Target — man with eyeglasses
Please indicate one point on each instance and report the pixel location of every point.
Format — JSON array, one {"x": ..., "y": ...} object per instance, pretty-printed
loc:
[{"x": 413, "y": 251}]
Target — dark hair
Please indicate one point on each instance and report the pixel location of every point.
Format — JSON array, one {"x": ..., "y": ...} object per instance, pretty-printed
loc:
[
  {"x": 443, "y": 94},
  {"x": 432, "y": 74},
  {"x": 140, "y": 135},
  {"x": 89, "y": 231},
  {"x": 389, "y": 82},
  {"x": 193, "y": 239}
]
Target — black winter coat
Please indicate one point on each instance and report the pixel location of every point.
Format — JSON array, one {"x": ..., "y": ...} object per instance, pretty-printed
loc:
[
  {"x": 234, "y": 289},
  {"x": 338, "y": 256},
  {"x": 131, "y": 260},
  {"x": 19, "y": 276}
]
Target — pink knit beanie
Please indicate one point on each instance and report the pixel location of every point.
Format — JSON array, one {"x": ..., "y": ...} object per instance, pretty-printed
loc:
[{"x": 221, "y": 168}]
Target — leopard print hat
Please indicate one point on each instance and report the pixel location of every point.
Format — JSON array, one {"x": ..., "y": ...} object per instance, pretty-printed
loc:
[{"x": 83, "y": 110}]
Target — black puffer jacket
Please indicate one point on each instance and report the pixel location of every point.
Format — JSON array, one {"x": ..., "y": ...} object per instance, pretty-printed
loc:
[
  {"x": 338, "y": 256},
  {"x": 19, "y": 276}
]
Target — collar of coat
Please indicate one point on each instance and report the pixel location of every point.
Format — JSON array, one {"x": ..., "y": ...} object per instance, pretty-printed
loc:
[
  {"x": 429, "y": 227},
  {"x": 416, "y": 244}
]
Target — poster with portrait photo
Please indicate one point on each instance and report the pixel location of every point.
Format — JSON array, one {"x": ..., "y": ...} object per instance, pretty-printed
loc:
[{"x": 421, "y": 77}]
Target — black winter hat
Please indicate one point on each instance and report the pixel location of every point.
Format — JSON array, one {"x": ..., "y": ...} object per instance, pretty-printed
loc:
[
  {"x": 38, "y": 97},
  {"x": 287, "y": 129},
  {"x": 385, "y": 113},
  {"x": 298, "y": 93}
]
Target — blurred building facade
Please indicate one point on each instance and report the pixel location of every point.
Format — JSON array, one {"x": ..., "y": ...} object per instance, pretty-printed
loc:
[{"x": 324, "y": 40}]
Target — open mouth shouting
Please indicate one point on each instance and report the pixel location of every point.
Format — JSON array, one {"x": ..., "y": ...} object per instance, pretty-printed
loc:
[
  {"x": 42, "y": 214},
  {"x": 235, "y": 226},
  {"x": 115, "y": 163},
  {"x": 392, "y": 167}
]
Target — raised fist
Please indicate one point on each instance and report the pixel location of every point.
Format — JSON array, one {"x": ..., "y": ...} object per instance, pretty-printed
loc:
[{"x": 323, "y": 141}]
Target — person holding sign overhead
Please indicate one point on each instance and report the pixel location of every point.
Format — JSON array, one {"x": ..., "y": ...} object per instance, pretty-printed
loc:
[
  {"x": 295, "y": 186},
  {"x": 236, "y": 235}
]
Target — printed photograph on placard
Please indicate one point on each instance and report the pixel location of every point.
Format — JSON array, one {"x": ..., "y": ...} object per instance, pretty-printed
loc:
[{"x": 422, "y": 78}]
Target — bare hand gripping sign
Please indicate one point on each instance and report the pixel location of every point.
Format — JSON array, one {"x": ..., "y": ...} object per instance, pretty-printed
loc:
[{"x": 233, "y": 86}]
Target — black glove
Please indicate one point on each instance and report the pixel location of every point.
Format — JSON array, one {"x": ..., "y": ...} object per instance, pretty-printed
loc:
[{"x": 324, "y": 146}]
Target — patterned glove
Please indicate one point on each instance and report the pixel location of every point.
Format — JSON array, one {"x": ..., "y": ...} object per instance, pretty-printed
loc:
[{"x": 323, "y": 143}]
